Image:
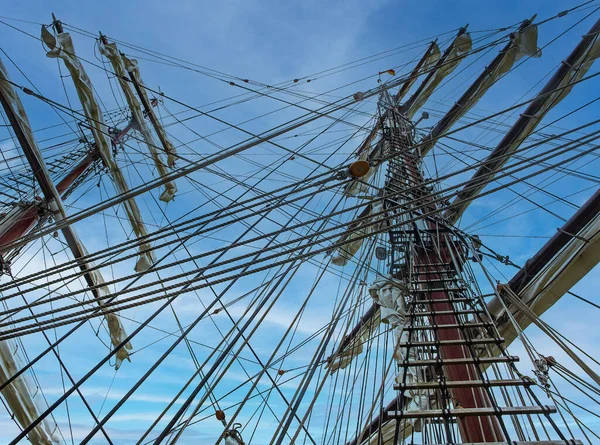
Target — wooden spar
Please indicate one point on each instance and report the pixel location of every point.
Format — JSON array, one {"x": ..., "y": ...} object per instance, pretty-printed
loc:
[
  {"x": 549, "y": 254},
  {"x": 401, "y": 92},
  {"x": 564, "y": 235},
  {"x": 445, "y": 122},
  {"x": 149, "y": 112},
  {"x": 406, "y": 106},
  {"x": 50, "y": 192},
  {"x": 414, "y": 74},
  {"x": 484, "y": 175},
  {"x": 376, "y": 424}
]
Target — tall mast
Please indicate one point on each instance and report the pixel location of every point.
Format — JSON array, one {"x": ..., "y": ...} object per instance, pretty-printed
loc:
[{"x": 425, "y": 60}]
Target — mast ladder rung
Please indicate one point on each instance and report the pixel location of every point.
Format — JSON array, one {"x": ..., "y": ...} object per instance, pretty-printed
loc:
[
  {"x": 464, "y": 384},
  {"x": 442, "y": 300},
  {"x": 469, "y": 412},
  {"x": 433, "y": 264},
  {"x": 449, "y": 326},
  {"x": 442, "y": 289},
  {"x": 459, "y": 361},
  {"x": 437, "y": 272},
  {"x": 536, "y": 442},
  {"x": 434, "y": 280},
  {"x": 458, "y": 342},
  {"x": 461, "y": 312}
]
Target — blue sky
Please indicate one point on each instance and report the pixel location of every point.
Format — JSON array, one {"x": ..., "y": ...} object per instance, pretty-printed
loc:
[{"x": 272, "y": 42}]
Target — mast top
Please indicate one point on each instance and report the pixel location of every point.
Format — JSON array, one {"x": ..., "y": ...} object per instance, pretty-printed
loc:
[{"x": 57, "y": 24}]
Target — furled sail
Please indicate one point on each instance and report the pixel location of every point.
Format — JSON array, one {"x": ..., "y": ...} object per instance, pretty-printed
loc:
[
  {"x": 92, "y": 275},
  {"x": 342, "y": 358},
  {"x": 522, "y": 44},
  {"x": 354, "y": 237},
  {"x": 572, "y": 70},
  {"x": 110, "y": 51},
  {"x": 23, "y": 398},
  {"x": 460, "y": 47},
  {"x": 133, "y": 70},
  {"x": 578, "y": 257},
  {"x": 62, "y": 47},
  {"x": 389, "y": 294}
]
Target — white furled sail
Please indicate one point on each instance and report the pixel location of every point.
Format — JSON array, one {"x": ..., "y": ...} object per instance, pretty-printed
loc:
[
  {"x": 23, "y": 398},
  {"x": 92, "y": 275},
  {"x": 62, "y": 47},
  {"x": 389, "y": 294},
  {"x": 354, "y": 237},
  {"x": 132, "y": 68},
  {"x": 460, "y": 47},
  {"x": 110, "y": 51},
  {"x": 522, "y": 44},
  {"x": 342, "y": 358},
  {"x": 569, "y": 266},
  {"x": 550, "y": 96}
]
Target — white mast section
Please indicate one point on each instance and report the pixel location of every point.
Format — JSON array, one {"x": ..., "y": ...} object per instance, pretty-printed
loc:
[
  {"x": 110, "y": 51},
  {"x": 558, "y": 87},
  {"x": 459, "y": 49},
  {"x": 54, "y": 203},
  {"x": 523, "y": 43},
  {"x": 132, "y": 68},
  {"x": 62, "y": 47}
]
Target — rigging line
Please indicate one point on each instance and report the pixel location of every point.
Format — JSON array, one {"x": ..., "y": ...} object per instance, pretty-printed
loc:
[
  {"x": 273, "y": 382},
  {"x": 454, "y": 187},
  {"x": 295, "y": 321},
  {"x": 248, "y": 344},
  {"x": 212, "y": 228},
  {"x": 571, "y": 172},
  {"x": 152, "y": 52},
  {"x": 532, "y": 145},
  {"x": 241, "y": 147},
  {"x": 34, "y": 87},
  {"x": 207, "y": 375},
  {"x": 65, "y": 370},
  {"x": 127, "y": 79},
  {"x": 533, "y": 209},
  {"x": 556, "y": 38},
  {"x": 318, "y": 251},
  {"x": 521, "y": 195}
]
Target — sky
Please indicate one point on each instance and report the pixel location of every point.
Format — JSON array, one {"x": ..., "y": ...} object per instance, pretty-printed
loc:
[{"x": 271, "y": 42}]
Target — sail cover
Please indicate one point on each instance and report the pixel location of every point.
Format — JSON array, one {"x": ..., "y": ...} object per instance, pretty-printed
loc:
[
  {"x": 523, "y": 44},
  {"x": 356, "y": 234},
  {"x": 62, "y": 47},
  {"x": 569, "y": 266},
  {"x": 94, "y": 276},
  {"x": 23, "y": 398},
  {"x": 460, "y": 47},
  {"x": 342, "y": 358},
  {"x": 110, "y": 51},
  {"x": 511, "y": 142},
  {"x": 132, "y": 67}
]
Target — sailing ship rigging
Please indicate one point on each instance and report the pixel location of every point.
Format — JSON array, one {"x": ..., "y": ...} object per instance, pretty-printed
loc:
[{"x": 337, "y": 291}]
